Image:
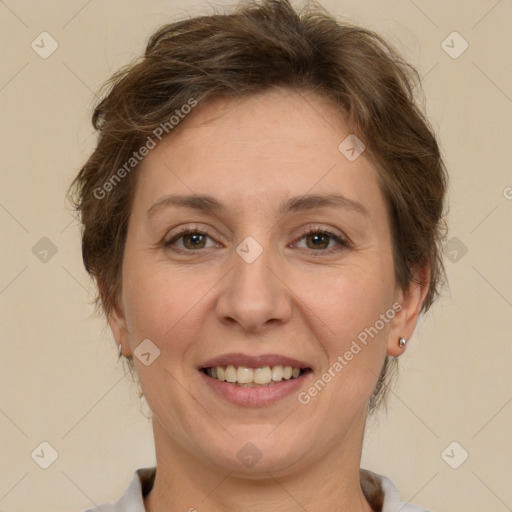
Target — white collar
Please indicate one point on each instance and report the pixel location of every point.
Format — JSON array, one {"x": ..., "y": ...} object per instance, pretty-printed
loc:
[{"x": 377, "y": 488}]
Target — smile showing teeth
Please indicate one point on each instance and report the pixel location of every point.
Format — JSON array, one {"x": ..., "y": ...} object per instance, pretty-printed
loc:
[{"x": 250, "y": 377}]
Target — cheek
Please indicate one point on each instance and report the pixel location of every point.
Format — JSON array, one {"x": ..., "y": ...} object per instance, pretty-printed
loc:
[
  {"x": 349, "y": 299},
  {"x": 163, "y": 303},
  {"x": 145, "y": 294},
  {"x": 353, "y": 315}
]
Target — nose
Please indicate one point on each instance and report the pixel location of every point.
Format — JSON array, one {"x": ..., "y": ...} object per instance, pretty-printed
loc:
[{"x": 254, "y": 294}]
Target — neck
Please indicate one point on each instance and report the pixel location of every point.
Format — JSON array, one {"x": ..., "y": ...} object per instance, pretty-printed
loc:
[{"x": 186, "y": 483}]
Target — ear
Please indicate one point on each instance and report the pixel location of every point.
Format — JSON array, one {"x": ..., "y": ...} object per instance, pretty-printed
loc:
[
  {"x": 117, "y": 323},
  {"x": 411, "y": 301}
]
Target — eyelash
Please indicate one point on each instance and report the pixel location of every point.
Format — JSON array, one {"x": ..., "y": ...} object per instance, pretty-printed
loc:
[{"x": 343, "y": 242}]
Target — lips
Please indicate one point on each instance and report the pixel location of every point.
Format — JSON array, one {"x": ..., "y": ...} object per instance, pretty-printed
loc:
[
  {"x": 254, "y": 380},
  {"x": 237, "y": 359}
]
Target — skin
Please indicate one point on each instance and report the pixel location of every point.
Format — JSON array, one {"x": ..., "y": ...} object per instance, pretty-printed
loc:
[{"x": 294, "y": 300}]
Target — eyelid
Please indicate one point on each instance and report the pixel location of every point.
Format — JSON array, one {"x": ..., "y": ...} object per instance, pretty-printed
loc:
[
  {"x": 341, "y": 239},
  {"x": 171, "y": 238}
]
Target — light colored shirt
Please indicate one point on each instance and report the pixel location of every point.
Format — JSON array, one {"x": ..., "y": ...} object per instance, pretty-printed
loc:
[{"x": 379, "y": 490}]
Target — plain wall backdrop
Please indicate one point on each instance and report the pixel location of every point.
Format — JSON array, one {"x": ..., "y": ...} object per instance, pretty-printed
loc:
[{"x": 60, "y": 381}]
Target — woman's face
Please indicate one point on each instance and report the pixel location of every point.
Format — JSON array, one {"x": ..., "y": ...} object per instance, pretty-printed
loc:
[{"x": 288, "y": 262}]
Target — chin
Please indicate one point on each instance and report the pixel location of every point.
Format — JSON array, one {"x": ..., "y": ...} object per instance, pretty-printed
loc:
[{"x": 254, "y": 453}]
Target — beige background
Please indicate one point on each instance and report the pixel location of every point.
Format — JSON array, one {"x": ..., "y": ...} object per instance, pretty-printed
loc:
[{"x": 60, "y": 380}]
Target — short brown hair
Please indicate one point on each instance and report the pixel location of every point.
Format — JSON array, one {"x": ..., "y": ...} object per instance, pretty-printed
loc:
[{"x": 259, "y": 46}]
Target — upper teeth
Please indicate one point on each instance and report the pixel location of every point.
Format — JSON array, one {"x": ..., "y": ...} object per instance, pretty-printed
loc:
[{"x": 245, "y": 375}]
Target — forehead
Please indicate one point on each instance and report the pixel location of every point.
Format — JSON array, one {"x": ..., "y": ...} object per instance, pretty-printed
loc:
[
  {"x": 268, "y": 125},
  {"x": 259, "y": 148}
]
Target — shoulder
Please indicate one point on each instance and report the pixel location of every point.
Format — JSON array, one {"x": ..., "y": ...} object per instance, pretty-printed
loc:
[
  {"x": 383, "y": 495},
  {"x": 132, "y": 499}
]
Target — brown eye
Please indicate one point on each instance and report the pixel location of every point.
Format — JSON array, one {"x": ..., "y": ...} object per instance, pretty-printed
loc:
[
  {"x": 193, "y": 240},
  {"x": 188, "y": 240},
  {"x": 319, "y": 240}
]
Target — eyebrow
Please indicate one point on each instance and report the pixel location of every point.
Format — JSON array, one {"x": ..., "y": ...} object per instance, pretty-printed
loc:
[{"x": 209, "y": 204}]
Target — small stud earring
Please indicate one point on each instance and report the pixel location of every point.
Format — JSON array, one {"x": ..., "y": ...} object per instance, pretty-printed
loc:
[{"x": 402, "y": 342}]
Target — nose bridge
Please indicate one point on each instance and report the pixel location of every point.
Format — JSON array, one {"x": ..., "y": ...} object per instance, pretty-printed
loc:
[{"x": 252, "y": 295}]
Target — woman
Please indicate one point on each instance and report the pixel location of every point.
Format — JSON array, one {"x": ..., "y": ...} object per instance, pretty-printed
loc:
[{"x": 263, "y": 215}]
